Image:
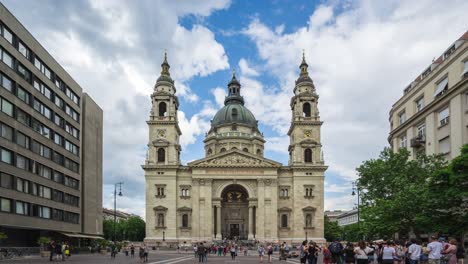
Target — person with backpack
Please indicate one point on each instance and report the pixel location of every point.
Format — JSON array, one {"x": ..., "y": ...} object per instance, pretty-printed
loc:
[
  {"x": 261, "y": 252},
  {"x": 336, "y": 250},
  {"x": 399, "y": 254},
  {"x": 201, "y": 252},
  {"x": 303, "y": 252},
  {"x": 270, "y": 253},
  {"x": 349, "y": 253}
]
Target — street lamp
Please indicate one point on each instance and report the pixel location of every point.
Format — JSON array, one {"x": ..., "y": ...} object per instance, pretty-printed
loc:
[
  {"x": 355, "y": 190},
  {"x": 115, "y": 203}
]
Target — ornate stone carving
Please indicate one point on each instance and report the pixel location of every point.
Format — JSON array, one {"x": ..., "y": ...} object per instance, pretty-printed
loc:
[{"x": 235, "y": 160}]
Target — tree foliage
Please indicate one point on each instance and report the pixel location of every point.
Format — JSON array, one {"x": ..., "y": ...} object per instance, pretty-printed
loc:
[
  {"x": 332, "y": 230},
  {"x": 132, "y": 229},
  {"x": 394, "y": 192}
]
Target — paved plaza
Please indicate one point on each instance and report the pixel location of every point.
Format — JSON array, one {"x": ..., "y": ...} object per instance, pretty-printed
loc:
[{"x": 154, "y": 258}]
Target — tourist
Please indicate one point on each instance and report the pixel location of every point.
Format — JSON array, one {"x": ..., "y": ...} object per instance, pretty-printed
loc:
[
  {"x": 399, "y": 253},
  {"x": 141, "y": 254},
  {"x": 195, "y": 250},
  {"x": 132, "y": 251},
  {"x": 312, "y": 251},
  {"x": 327, "y": 257},
  {"x": 371, "y": 255},
  {"x": 261, "y": 252},
  {"x": 349, "y": 253},
  {"x": 232, "y": 250},
  {"x": 246, "y": 250},
  {"x": 451, "y": 252},
  {"x": 362, "y": 252},
  {"x": 336, "y": 249},
  {"x": 435, "y": 250},
  {"x": 51, "y": 249},
  {"x": 388, "y": 253},
  {"x": 270, "y": 252},
  {"x": 58, "y": 251},
  {"x": 303, "y": 252},
  {"x": 145, "y": 252},
  {"x": 201, "y": 252},
  {"x": 67, "y": 250},
  {"x": 414, "y": 252}
]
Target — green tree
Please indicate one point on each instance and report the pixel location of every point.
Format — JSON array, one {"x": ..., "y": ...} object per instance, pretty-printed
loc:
[
  {"x": 135, "y": 228},
  {"x": 332, "y": 230},
  {"x": 132, "y": 229},
  {"x": 394, "y": 192},
  {"x": 448, "y": 197}
]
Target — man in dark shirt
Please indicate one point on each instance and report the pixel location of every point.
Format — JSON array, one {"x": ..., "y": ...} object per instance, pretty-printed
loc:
[{"x": 201, "y": 252}]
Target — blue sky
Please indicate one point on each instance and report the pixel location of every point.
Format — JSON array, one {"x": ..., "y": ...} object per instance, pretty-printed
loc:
[{"x": 361, "y": 55}]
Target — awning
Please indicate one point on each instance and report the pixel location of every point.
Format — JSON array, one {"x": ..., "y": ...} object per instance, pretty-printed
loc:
[{"x": 81, "y": 236}]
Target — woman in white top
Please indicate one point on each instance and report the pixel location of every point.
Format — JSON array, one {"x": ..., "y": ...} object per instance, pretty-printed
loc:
[
  {"x": 361, "y": 252},
  {"x": 388, "y": 253}
]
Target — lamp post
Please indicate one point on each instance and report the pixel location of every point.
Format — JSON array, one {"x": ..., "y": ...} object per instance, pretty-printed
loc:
[
  {"x": 115, "y": 204},
  {"x": 355, "y": 190}
]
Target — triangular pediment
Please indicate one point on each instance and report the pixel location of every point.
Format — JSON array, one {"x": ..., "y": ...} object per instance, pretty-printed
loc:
[
  {"x": 235, "y": 158},
  {"x": 160, "y": 142}
]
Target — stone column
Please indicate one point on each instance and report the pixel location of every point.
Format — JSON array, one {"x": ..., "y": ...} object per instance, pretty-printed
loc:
[
  {"x": 218, "y": 222},
  {"x": 250, "y": 235}
]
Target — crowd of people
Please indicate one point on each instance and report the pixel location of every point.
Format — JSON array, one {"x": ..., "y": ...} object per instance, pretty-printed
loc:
[
  {"x": 437, "y": 251},
  {"x": 59, "y": 251}
]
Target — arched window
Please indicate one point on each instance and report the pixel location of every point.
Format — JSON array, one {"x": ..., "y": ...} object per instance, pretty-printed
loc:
[
  {"x": 234, "y": 114},
  {"x": 222, "y": 150},
  {"x": 210, "y": 152},
  {"x": 308, "y": 155},
  {"x": 185, "y": 220},
  {"x": 162, "y": 109},
  {"x": 259, "y": 152},
  {"x": 161, "y": 220},
  {"x": 308, "y": 221},
  {"x": 284, "y": 221},
  {"x": 306, "y": 109},
  {"x": 245, "y": 149},
  {"x": 161, "y": 155}
]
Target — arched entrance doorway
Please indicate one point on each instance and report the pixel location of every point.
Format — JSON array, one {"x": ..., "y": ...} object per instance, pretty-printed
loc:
[{"x": 234, "y": 212}]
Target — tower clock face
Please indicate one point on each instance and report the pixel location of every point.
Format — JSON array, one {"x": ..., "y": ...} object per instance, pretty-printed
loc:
[
  {"x": 307, "y": 133},
  {"x": 162, "y": 133}
]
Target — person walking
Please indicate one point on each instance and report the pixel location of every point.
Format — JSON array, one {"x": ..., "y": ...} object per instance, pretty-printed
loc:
[
  {"x": 201, "y": 252},
  {"x": 349, "y": 253},
  {"x": 270, "y": 252},
  {"x": 58, "y": 251},
  {"x": 145, "y": 252},
  {"x": 399, "y": 253},
  {"x": 132, "y": 251},
  {"x": 414, "y": 252},
  {"x": 451, "y": 252},
  {"x": 362, "y": 251},
  {"x": 312, "y": 251},
  {"x": 388, "y": 253},
  {"x": 303, "y": 252},
  {"x": 232, "y": 250},
  {"x": 51, "y": 249},
  {"x": 435, "y": 251},
  {"x": 336, "y": 249},
  {"x": 261, "y": 252},
  {"x": 327, "y": 258}
]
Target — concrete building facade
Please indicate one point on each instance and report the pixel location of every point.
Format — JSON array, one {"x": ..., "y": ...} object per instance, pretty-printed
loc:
[
  {"x": 432, "y": 115},
  {"x": 234, "y": 192},
  {"x": 50, "y": 144}
]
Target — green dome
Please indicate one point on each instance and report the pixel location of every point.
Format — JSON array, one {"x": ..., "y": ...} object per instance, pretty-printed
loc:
[{"x": 234, "y": 113}]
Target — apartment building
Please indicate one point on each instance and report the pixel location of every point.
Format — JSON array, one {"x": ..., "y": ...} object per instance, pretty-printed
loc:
[
  {"x": 432, "y": 115},
  {"x": 50, "y": 144}
]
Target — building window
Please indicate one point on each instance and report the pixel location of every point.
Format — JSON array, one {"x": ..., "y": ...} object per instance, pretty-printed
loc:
[
  {"x": 465, "y": 69},
  {"x": 161, "y": 155},
  {"x": 73, "y": 96},
  {"x": 6, "y": 132},
  {"x": 161, "y": 220},
  {"x": 43, "y": 171},
  {"x": 41, "y": 108},
  {"x": 403, "y": 142},
  {"x": 22, "y": 140},
  {"x": 444, "y": 117},
  {"x": 23, "y": 49},
  {"x": 42, "y": 68},
  {"x": 160, "y": 191},
  {"x": 259, "y": 152},
  {"x": 162, "y": 109},
  {"x": 23, "y": 72},
  {"x": 72, "y": 113},
  {"x": 6, "y": 156},
  {"x": 22, "y": 208},
  {"x": 444, "y": 145},
  {"x": 40, "y": 128},
  {"x": 245, "y": 149},
  {"x": 71, "y": 147},
  {"x": 308, "y": 155},
  {"x": 308, "y": 192},
  {"x": 402, "y": 117},
  {"x": 22, "y": 117},
  {"x": 22, "y": 162},
  {"x": 5, "y": 205},
  {"x": 6, "y": 181},
  {"x": 284, "y": 221},
  {"x": 306, "y": 109},
  {"x": 421, "y": 130},
  {"x": 6, "y": 83},
  {"x": 223, "y": 150},
  {"x": 185, "y": 192},
  {"x": 58, "y": 120},
  {"x": 419, "y": 104},
  {"x": 284, "y": 192},
  {"x": 22, "y": 185},
  {"x": 441, "y": 87},
  {"x": 23, "y": 95},
  {"x": 57, "y": 215},
  {"x": 185, "y": 220},
  {"x": 58, "y": 102},
  {"x": 209, "y": 152},
  {"x": 6, "y": 58},
  {"x": 7, "y": 34},
  {"x": 6, "y": 107}
]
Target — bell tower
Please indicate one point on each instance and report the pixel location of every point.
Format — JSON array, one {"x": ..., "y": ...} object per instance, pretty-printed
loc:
[
  {"x": 305, "y": 146},
  {"x": 164, "y": 131}
]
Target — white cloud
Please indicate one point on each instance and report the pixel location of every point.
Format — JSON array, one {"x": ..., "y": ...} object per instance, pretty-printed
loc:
[
  {"x": 360, "y": 60},
  {"x": 246, "y": 69},
  {"x": 220, "y": 94},
  {"x": 197, "y": 125}
]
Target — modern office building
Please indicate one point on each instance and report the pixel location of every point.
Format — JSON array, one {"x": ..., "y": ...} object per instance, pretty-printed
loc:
[
  {"x": 432, "y": 115},
  {"x": 50, "y": 144}
]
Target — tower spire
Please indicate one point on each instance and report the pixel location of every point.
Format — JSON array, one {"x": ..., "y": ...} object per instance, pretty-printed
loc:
[
  {"x": 165, "y": 65},
  {"x": 234, "y": 91},
  {"x": 304, "y": 65}
]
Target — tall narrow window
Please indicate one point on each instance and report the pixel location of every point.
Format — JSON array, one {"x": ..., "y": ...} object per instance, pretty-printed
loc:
[
  {"x": 444, "y": 116},
  {"x": 223, "y": 150},
  {"x": 306, "y": 109},
  {"x": 162, "y": 109},
  {"x": 308, "y": 155},
  {"x": 419, "y": 104},
  {"x": 185, "y": 220},
  {"x": 442, "y": 86},
  {"x": 284, "y": 221},
  {"x": 402, "y": 117},
  {"x": 161, "y": 155}
]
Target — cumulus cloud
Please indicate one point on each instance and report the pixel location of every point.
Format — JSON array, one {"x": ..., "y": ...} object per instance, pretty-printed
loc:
[{"x": 246, "y": 69}]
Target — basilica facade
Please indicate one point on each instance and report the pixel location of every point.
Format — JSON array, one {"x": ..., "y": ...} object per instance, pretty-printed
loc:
[{"x": 234, "y": 192}]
